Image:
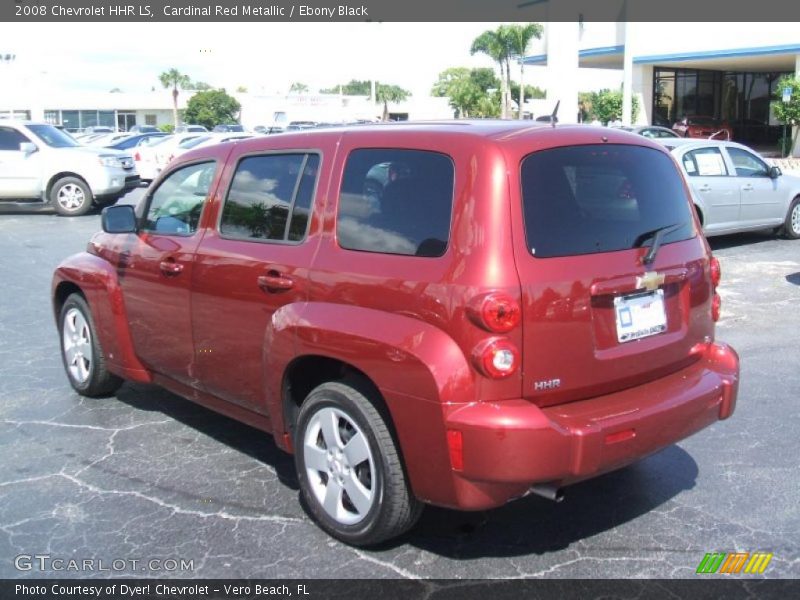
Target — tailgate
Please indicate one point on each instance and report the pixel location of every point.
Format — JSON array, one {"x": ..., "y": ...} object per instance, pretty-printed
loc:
[{"x": 597, "y": 315}]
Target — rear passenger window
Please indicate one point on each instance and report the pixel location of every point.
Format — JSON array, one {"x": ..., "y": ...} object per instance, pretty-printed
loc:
[
  {"x": 705, "y": 162},
  {"x": 601, "y": 198},
  {"x": 396, "y": 202},
  {"x": 270, "y": 197}
]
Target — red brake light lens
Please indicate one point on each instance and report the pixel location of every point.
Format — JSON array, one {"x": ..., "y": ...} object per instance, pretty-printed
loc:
[
  {"x": 455, "y": 444},
  {"x": 496, "y": 358},
  {"x": 496, "y": 312},
  {"x": 716, "y": 271},
  {"x": 716, "y": 307}
]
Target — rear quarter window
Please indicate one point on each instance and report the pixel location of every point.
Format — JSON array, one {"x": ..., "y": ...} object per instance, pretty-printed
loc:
[
  {"x": 396, "y": 201},
  {"x": 600, "y": 198}
]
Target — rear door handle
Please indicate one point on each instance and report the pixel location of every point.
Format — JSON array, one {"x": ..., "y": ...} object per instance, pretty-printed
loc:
[
  {"x": 275, "y": 282},
  {"x": 747, "y": 188},
  {"x": 705, "y": 188},
  {"x": 170, "y": 268}
]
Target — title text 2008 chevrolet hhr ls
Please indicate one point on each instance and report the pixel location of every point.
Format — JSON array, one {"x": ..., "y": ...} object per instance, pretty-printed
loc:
[{"x": 454, "y": 313}]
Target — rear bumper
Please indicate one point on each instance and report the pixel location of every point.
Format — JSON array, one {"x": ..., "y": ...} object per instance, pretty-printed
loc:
[{"x": 508, "y": 446}]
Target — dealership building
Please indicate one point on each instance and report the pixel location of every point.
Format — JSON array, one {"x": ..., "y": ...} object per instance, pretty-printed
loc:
[{"x": 729, "y": 71}]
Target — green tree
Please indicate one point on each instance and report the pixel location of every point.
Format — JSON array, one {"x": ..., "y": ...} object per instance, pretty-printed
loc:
[
  {"x": 298, "y": 88},
  {"x": 788, "y": 112},
  {"x": 242, "y": 89},
  {"x": 385, "y": 93},
  {"x": 468, "y": 91},
  {"x": 200, "y": 86},
  {"x": 352, "y": 88},
  {"x": 174, "y": 79},
  {"x": 519, "y": 37},
  {"x": 531, "y": 92},
  {"x": 211, "y": 108},
  {"x": 497, "y": 46},
  {"x": 606, "y": 106}
]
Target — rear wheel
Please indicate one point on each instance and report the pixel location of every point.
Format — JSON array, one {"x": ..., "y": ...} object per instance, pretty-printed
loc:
[
  {"x": 791, "y": 227},
  {"x": 84, "y": 360},
  {"x": 71, "y": 197},
  {"x": 350, "y": 471}
]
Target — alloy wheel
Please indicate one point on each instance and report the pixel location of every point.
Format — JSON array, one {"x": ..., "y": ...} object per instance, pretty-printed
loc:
[
  {"x": 77, "y": 342},
  {"x": 70, "y": 196},
  {"x": 339, "y": 465}
]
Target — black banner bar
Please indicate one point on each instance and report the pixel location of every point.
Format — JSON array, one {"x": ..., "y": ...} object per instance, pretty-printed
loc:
[
  {"x": 398, "y": 10},
  {"x": 703, "y": 588}
]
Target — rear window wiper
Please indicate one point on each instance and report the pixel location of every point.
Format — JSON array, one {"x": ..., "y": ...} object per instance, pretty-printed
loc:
[{"x": 658, "y": 238}]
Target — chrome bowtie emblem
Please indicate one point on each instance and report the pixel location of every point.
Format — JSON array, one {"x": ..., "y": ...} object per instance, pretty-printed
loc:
[{"x": 651, "y": 280}]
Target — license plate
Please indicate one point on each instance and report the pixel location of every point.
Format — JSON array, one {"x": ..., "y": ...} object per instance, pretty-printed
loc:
[{"x": 640, "y": 315}]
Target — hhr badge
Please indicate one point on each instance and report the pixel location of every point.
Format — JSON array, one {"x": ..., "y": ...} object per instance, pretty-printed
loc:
[
  {"x": 651, "y": 280},
  {"x": 546, "y": 385}
]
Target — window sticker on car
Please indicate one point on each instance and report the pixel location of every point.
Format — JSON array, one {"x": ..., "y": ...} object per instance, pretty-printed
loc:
[
  {"x": 688, "y": 164},
  {"x": 709, "y": 164}
]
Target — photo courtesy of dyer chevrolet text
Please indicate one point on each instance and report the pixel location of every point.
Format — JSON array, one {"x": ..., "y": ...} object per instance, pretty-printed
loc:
[{"x": 160, "y": 589}]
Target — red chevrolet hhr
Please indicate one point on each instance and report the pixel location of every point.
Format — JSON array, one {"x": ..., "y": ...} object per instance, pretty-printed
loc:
[{"x": 454, "y": 313}]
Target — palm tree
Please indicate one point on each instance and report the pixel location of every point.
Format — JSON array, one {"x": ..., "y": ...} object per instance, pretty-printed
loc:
[
  {"x": 298, "y": 88},
  {"x": 519, "y": 36},
  {"x": 495, "y": 45},
  {"x": 174, "y": 79},
  {"x": 389, "y": 93}
]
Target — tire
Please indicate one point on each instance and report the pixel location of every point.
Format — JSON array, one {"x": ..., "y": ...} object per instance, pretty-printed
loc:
[
  {"x": 359, "y": 496},
  {"x": 71, "y": 197},
  {"x": 791, "y": 227},
  {"x": 84, "y": 360}
]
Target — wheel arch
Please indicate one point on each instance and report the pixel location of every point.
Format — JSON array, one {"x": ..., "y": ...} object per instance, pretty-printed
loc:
[
  {"x": 307, "y": 372},
  {"x": 97, "y": 282},
  {"x": 60, "y": 175},
  {"x": 61, "y": 292},
  {"x": 413, "y": 379}
]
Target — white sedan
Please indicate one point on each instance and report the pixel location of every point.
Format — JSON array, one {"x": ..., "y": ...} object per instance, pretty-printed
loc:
[{"x": 735, "y": 190}]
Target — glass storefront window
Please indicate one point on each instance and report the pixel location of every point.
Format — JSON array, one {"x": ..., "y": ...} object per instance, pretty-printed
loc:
[
  {"x": 70, "y": 119},
  {"x": 106, "y": 117}
]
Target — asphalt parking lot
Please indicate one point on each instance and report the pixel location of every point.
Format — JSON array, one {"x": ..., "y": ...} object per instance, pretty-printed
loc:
[{"x": 149, "y": 476}]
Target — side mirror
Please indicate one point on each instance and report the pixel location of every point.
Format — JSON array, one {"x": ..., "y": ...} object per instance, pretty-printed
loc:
[
  {"x": 28, "y": 148},
  {"x": 775, "y": 172},
  {"x": 118, "y": 219}
]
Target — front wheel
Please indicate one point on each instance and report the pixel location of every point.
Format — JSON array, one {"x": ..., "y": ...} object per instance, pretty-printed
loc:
[
  {"x": 791, "y": 228},
  {"x": 71, "y": 197},
  {"x": 350, "y": 471},
  {"x": 84, "y": 360}
]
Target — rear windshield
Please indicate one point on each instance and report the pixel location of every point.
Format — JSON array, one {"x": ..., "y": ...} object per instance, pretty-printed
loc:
[{"x": 601, "y": 198}]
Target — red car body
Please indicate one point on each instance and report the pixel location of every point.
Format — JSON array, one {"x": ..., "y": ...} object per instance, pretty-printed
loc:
[
  {"x": 248, "y": 329},
  {"x": 707, "y": 128}
]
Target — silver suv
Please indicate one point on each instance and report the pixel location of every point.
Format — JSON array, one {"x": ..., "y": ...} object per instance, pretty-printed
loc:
[{"x": 40, "y": 164}]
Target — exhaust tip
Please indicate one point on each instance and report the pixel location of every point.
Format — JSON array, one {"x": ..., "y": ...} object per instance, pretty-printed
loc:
[{"x": 550, "y": 491}]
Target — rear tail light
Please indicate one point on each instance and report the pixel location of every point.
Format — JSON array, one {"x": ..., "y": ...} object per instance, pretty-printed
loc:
[
  {"x": 137, "y": 157},
  {"x": 716, "y": 271},
  {"x": 496, "y": 312},
  {"x": 496, "y": 358},
  {"x": 716, "y": 275}
]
